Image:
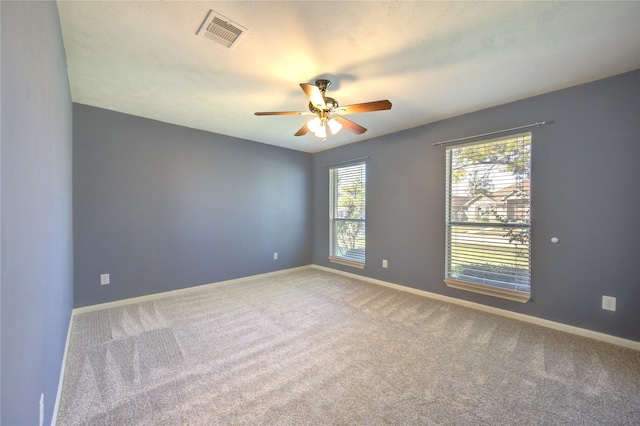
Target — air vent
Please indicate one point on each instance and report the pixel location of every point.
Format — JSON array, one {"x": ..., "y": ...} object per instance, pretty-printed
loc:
[{"x": 221, "y": 30}]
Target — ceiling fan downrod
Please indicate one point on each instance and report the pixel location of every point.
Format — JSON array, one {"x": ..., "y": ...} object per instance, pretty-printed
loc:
[{"x": 323, "y": 85}]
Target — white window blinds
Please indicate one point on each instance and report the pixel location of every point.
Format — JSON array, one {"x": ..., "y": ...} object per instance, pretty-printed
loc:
[
  {"x": 489, "y": 217},
  {"x": 347, "y": 202}
]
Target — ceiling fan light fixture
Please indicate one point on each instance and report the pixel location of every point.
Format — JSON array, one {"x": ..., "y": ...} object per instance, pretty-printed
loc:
[
  {"x": 321, "y": 132},
  {"x": 314, "y": 124},
  {"x": 334, "y": 126}
]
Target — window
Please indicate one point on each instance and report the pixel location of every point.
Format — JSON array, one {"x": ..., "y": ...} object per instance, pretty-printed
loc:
[
  {"x": 489, "y": 217},
  {"x": 347, "y": 190}
]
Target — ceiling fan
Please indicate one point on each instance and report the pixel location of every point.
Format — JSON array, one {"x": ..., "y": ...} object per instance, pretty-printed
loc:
[{"x": 328, "y": 113}]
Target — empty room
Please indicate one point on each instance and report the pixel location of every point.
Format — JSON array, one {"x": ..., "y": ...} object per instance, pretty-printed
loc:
[{"x": 320, "y": 212}]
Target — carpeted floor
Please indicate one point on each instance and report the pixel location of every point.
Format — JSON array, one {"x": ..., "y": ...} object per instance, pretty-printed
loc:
[{"x": 311, "y": 347}]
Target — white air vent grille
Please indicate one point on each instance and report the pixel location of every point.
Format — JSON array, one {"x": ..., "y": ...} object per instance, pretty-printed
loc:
[{"x": 221, "y": 30}]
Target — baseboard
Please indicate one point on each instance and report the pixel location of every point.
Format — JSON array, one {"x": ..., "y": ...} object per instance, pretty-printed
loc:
[
  {"x": 155, "y": 296},
  {"x": 631, "y": 344},
  {"x": 54, "y": 417}
]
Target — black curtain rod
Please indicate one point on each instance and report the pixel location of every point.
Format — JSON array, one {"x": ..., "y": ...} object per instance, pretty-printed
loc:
[{"x": 541, "y": 123}]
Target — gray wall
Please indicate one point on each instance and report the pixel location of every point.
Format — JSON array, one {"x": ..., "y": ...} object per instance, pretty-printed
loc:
[
  {"x": 161, "y": 207},
  {"x": 36, "y": 232},
  {"x": 585, "y": 191}
]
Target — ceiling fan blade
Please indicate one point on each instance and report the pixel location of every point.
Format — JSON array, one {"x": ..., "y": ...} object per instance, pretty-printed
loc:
[
  {"x": 284, "y": 113},
  {"x": 303, "y": 131},
  {"x": 364, "y": 107},
  {"x": 350, "y": 125},
  {"x": 314, "y": 95}
]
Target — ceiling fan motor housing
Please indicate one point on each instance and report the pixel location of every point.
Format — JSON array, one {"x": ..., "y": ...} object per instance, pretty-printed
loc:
[
  {"x": 323, "y": 85},
  {"x": 331, "y": 104}
]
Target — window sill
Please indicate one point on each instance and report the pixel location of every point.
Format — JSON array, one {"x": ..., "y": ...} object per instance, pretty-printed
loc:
[
  {"x": 346, "y": 262},
  {"x": 517, "y": 296}
]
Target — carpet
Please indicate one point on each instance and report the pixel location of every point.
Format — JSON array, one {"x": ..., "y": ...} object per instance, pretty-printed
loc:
[{"x": 312, "y": 347}]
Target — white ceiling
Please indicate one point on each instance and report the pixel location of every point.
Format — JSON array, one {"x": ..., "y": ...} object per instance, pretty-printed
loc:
[{"x": 432, "y": 60}]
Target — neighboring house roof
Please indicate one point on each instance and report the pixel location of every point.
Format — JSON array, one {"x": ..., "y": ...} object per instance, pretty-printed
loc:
[
  {"x": 496, "y": 197},
  {"x": 515, "y": 193},
  {"x": 479, "y": 198},
  {"x": 509, "y": 191}
]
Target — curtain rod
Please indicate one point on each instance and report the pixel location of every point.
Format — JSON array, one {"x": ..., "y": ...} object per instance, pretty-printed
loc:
[
  {"x": 541, "y": 123},
  {"x": 345, "y": 161}
]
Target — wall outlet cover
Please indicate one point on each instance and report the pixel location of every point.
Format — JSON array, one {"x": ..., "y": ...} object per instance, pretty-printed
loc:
[
  {"x": 609, "y": 303},
  {"x": 104, "y": 279}
]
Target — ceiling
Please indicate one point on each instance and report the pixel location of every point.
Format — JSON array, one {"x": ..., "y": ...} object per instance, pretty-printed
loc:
[{"x": 432, "y": 60}]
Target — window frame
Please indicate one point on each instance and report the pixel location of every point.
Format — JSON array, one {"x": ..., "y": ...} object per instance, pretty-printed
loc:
[
  {"x": 500, "y": 289},
  {"x": 358, "y": 260}
]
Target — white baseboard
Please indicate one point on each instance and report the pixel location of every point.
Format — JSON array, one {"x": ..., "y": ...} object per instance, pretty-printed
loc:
[
  {"x": 155, "y": 296},
  {"x": 54, "y": 417},
  {"x": 631, "y": 344}
]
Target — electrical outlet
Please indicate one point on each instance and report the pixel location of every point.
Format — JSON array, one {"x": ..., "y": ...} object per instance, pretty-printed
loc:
[
  {"x": 275, "y": 255},
  {"x": 385, "y": 264},
  {"x": 104, "y": 279},
  {"x": 609, "y": 303}
]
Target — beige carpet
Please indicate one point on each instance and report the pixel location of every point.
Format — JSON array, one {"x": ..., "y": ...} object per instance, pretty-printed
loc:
[{"x": 311, "y": 347}]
